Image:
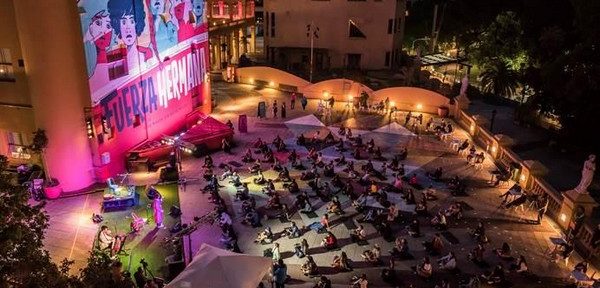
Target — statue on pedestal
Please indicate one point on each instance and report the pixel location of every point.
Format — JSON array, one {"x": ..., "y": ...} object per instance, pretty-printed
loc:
[
  {"x": 587, "y": 174},
  {"x": 464, "y": 85}
]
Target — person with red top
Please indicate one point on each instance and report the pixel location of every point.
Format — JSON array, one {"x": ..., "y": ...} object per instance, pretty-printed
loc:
[{"x": 330, "y": 241}]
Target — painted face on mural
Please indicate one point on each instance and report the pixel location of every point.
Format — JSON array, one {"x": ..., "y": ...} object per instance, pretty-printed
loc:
[
  {"x": 100, "y": 29},
  {"x": 128, "y": 34},
  {"x": 157, "y": 6},
  {"x": 179, "y": 9},
  {"x": 198, "y": 8}
]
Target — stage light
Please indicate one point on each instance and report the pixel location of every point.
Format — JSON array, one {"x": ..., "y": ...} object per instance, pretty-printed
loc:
[
  {"x": 251, "y": 80},
  {"x": 393, "y": 104},
  {"x": 522, "y": 178},
  {"x": 272, "y": 84},
  {"x": 563, "y": 217},
  {"x": 494, "y": 149},
  {"x": 325, "y": 93},
  {"x": 419, "y": 106}
]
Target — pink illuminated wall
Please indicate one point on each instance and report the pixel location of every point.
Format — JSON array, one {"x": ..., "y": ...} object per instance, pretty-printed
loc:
[{"x": 146, "y": 62}]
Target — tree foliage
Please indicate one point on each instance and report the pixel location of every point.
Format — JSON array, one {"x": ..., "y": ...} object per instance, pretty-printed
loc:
[
  {"x": 23, "y": 260},
  {"x": 499, "y": 79}
]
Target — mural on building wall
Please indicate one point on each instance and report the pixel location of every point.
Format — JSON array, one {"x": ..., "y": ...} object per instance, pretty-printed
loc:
[{"x": 146, "y": 63}]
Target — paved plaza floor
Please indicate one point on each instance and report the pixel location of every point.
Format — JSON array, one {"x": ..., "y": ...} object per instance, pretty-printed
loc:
[{"x": 71, "y": 232}]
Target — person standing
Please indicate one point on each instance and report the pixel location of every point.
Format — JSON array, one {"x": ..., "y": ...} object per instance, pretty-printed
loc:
[
  {"x": 293, "y": 101},
  {"x": 276, "y": 253},
  {"x": 275, "y": 109},
  {"x": 283, "y": 112},
  {"x": 279, "y": 274},
  {"x": 304, "y": 102},
  {"x": 542, "y": 210}
]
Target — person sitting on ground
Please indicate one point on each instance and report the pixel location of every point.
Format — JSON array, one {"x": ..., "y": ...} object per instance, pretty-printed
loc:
[
  {"x": 309, "y": 268},
  {"x": 504, "y": 251},
  {"x": 378, "y": 155},
  {"x": 301, "y": 249},
  {"x": 292, "y": 187},
  {"x": 235, "y": 180},
  {"x": 448, "y": 262},
  {"x": 421, "y": 207},
  {"x": 439, "y": 221},
  {"x": 228, "y": 172},
  {"x": 429, "y": 193},
  {"x": 400, "y": 249},
  {"x": 277, "y": 167},
  {"x": 274, "y": 202},
  {"x": 477, "y": 254},
  {"x": 340, "y": 160},
  {"x": 258, "y": 143},
  {"x": 323, "y": 283},
  {"x": 252, "y": 218},
  {"x": 293, "y": 231},
  {"x": 268, "y": 157},
  {"x": 249, "y": 204},
  {"x": 330, "y": 241},
  {"x": 358, "y": 141},
  {"x": 520, "y": 265},
  {"x": 277, "y": 140},
  {"x": 582, "y": 266},
  {"x": 308, "y": 175},
  {"x": 479, "y": 158},
  {"x": 471, "y": 155},
  {"x": 208, "y": 162},
  {"x": 340, "y": 146},
  {"x": 414, "y": 228},
  {"x": 247, "y": 158},
  {"x": 208, "y": 174},
  {"x": 436, "y": 175},
  {"x": 479, "y": 233},
  {"x": 328, "y": 170},
  {"x": 413, "y": 181},
  {"x": 335, "y": 206},
  {"x": 403, "y": 154},
  {"x": 293, "y": 156},
  {"x": 370, "y": 145},
  {"x": 373, "y": 255},
  {"x": 260, "y": 178},
  {"x": 265, "y": 236},
  {"x": 455, "y": 210},
  {"x": 424, "y": 269},
  {"x": 284, "y": 175},
  {"x": 337, "y": 182},
  {"x": 341, "y": 262},
  {"x": 496, "y": 276},
  {"x": 356, "y": 153},
  {"x": 255, "y": 167},
  {"x": 226, "y": 146},
  {"x": 360, "y": 282},
  {"x": 359, "y": 234},
  {"x": 392, "y": 213},
  {"x": 342, "y": 130},
  {"x": 269, "y": 188},
  {"x": 243, "y": 193},
  {"x": 435, "y": 246},
  {"x": 301, "y": 141},
  {"x": 329, "y": 138},
  {"x": 388, "y": 275}
]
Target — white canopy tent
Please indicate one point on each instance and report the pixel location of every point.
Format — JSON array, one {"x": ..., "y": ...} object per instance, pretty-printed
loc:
[{"x": 217, "y": 268}]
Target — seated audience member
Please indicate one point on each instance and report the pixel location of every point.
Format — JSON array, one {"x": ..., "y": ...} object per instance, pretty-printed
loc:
[
  {"x": 265, "y": 237},
  {"x": 435, "y": 245},
  {"x": 227, "y": 173},
  {"x": 479, "y": 233},
  {"x": 455, "y": 210},
  {"x": 284, "y": 175},
  {"x": 309, "y": 268},
  {"x": 323, "y": 283},
  {"x": 268, "y": 157},
  {"x": 504, "y": 251},
  {"x": 341, "y": 262},
  {"x": 496, "y": 276},
  {"x": 260, "y": 178},
  {"x": 429, "y": 193},
  {"x": 400, "y": 249},
  {"x": 414, "y": 228},
  {"x": 582, "y": 266},
  {"x": 255, "y": 167},
  {"x": 392, "y": 213},
  {"x": 242, "y": 193},
  {"x": 373, "y": 255},
  {"x": 247, "y": 158},
  {"x": 292, "y": 187},
  {"x": 208, "y": 162},
  {"x": 274, "y": 202},
  {"x": 277, "y": 167},
  {"x": 226, "y": 146},
  {"x": 520, "y": 265},
  {"x": 437, "y": 174},
  {"x": 477, "y": 254},
  {"x": 421, "y": 208},
  {"x": 463, "y": 146},
  {"x": 330, "y": 241},
  {"x": 293, "y": 231},
  {"x": 424, "y": 269},
  {"x": 235, "y": 180},
  {"x": 301, "y": 249},
  {"x": 252, "y": 218},
  {"x": 439, "y": 221},
  {"x": 301, "y": 140},
  {"x": 335, "y": 206},
  {"x": 359, "y": 234},
  {"x": 448, "y": 262}
]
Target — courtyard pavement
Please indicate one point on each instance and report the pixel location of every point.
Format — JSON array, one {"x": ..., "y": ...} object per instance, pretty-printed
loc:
[{"x": 71, "y": 233}]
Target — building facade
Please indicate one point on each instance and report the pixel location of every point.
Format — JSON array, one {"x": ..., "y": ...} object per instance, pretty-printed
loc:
[
  {"x": 355, "y": 34},
  {"x": 232, "y": 31},
  {"x": 112, "y": 74}
]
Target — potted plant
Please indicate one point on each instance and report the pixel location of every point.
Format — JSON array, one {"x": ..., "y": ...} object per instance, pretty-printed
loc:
[{"x": 52, "y": 188}]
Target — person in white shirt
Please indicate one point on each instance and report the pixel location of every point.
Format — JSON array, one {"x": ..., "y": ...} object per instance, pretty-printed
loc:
[
  {"x": 448, "y": 262},
  {"x": 105, "y": 238}
]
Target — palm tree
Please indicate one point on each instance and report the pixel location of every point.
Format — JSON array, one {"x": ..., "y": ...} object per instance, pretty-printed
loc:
[{"x": 499, "y": 79}]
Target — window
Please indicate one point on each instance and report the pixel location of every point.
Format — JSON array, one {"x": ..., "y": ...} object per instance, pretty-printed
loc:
[
  {"x": 354, "y": 31},
  {"x": 387, "y": 59},
  {"x": 6, "y": 67},
  {"x": 398, "y": 25},
  {"x": 390, "y": 26},
  {"x": 17, "y": 145},
  {"x": 272, "y": 24},
  {"x": 354, "y": 61}
]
